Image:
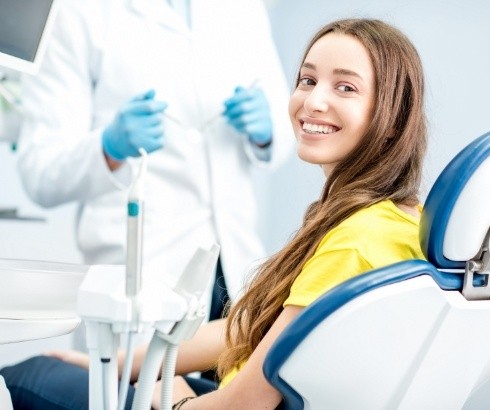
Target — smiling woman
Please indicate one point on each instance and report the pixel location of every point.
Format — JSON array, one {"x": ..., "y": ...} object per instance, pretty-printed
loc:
[{"x": 361, "y": 84}]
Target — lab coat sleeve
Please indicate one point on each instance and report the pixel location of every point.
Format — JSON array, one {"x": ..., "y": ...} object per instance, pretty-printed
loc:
[
  {"x": 60, "y": 155},
  {"x": 272, "y": 79}
]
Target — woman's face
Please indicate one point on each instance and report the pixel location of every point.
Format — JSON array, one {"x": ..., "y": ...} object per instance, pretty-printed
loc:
[{"x": 332, "y": 105}]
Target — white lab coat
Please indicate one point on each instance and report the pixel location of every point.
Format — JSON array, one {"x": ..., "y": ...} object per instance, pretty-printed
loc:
[{"x": 198, "y": 191}]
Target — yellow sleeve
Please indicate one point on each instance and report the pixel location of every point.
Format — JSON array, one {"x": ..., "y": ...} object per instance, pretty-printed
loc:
[{"x": 324, "y": 271}]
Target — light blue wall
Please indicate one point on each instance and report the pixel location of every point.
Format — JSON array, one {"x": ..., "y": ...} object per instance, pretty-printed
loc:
[{"x": 452, "y": 38}]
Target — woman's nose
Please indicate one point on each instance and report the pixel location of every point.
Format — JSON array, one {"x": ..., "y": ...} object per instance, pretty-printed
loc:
[{"x": 317, "y": 100}]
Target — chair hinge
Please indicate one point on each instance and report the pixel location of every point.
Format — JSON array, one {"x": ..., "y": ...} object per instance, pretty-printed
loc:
[{"x": 480, "y": 265}]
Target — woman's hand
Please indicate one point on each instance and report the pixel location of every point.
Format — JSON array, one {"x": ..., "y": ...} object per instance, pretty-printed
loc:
[
  {"x": 181, "y": 390},
  {"x": 70, "y": 356}
]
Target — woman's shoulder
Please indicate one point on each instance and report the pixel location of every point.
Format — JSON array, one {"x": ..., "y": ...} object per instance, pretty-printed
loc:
[
  {"x": 380, "y": 213},
  {"x": 381, "y": 220}
]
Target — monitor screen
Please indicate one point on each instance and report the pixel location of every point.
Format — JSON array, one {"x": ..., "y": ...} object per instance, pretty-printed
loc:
[{"x": 24, "y": 27}]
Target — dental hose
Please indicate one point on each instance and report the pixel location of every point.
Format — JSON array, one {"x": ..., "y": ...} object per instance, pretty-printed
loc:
[
  {"x": 149, "y": 373},
  {"x": 168, "y": 372},
  {"x": 126, "y": 374}
]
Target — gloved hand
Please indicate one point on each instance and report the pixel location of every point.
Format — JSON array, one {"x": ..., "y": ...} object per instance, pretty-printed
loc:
[
  {"x": 249, "y": 113},
  {"x": 138, "y": 124}
]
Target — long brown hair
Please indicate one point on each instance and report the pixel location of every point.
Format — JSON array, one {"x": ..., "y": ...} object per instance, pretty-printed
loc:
[{"x": 387, "y": 164}]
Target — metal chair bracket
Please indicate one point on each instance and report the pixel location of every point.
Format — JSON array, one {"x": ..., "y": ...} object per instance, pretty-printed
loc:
[{"x": 480, "y": 265}]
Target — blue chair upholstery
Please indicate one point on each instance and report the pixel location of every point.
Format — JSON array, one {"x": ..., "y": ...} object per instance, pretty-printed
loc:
[
  {"x": 443, "y": 197},
  {"x": 402, "y": 336}
]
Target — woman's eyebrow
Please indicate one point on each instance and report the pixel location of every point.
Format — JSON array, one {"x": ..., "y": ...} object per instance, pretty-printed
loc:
[
  {"x": 309, "y": 65},
  {"x": 338, "y": 71},
  {"x": 345, "y": 71}
]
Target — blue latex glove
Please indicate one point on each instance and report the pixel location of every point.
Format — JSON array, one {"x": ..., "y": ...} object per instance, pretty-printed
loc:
[
  {"x": 248, "y": 112},
  {"x": 138, "y": 124}
]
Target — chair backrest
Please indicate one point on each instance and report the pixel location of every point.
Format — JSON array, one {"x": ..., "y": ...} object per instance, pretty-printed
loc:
[
  {"x": 402, "y": 336},
  {"x": 456, "y": 217}
]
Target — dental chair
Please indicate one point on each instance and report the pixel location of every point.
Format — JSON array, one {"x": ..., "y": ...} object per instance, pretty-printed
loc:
[
  {"x": 38, "y": 299},
  {"x": 412, "y": 335}
]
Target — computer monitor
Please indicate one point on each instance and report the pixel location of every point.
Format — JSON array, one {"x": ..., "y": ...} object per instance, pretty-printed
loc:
[{"x": 24, "y": 30}]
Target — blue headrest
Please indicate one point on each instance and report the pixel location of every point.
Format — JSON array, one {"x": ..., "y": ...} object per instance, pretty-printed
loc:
[{"x": 456, "y": 215}]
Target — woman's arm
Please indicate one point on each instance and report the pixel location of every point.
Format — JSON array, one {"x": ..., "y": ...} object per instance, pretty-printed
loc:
[
  {"x": 249, "y": 389},
  {"x": 202, "y": 351}
]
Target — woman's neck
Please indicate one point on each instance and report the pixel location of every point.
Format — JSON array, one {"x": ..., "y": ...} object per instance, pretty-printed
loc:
[{"x": 411, "y": 210}]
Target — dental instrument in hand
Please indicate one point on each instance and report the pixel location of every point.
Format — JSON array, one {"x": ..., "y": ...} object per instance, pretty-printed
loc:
[
  {"x": 218, "y": 115},
  {"x": 194, "y": 133},
  {"x": 173, "y": 119}
]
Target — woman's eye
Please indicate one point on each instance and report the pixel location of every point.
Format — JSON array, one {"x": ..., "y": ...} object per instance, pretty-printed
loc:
[
  {"x": 306, "y": 81},
  {"x": 346, "y": 88}
]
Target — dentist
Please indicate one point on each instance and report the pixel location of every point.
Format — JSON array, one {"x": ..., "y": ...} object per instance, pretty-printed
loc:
[{"x": 171, "y": 77}]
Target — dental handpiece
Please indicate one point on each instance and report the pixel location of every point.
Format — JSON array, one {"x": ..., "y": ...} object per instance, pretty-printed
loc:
[{"x": 135, "y": 213}]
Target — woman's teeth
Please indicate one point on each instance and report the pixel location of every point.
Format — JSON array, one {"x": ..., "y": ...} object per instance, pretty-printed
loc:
[{"x": 319, "y": 129}]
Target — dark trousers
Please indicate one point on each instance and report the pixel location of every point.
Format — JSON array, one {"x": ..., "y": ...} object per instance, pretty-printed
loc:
[
  {"x": 218, "y": 302},
  {"x": 220, "y": 295},
  {"x": 46, "y": 383}
]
